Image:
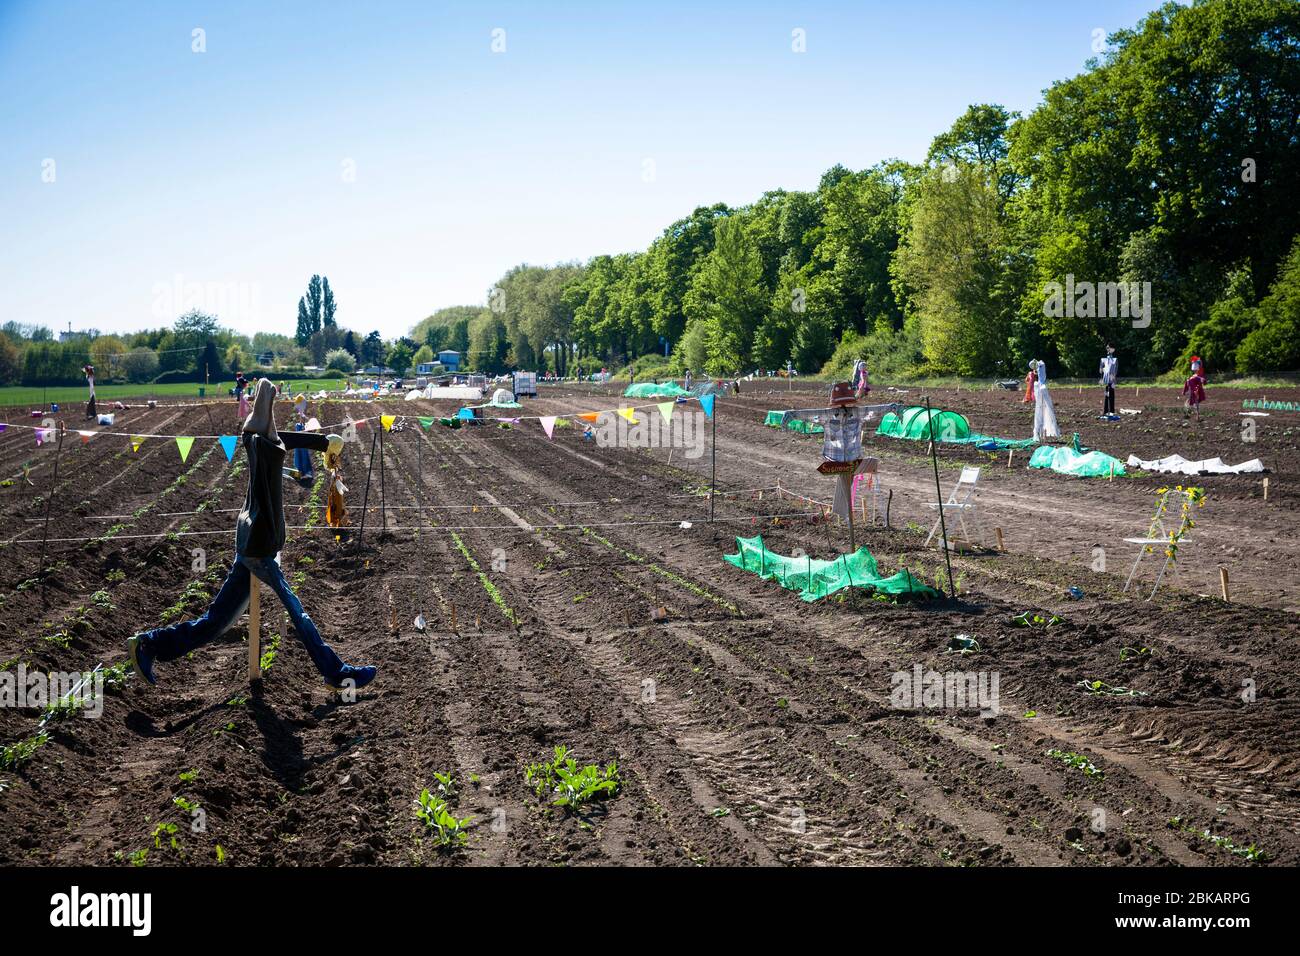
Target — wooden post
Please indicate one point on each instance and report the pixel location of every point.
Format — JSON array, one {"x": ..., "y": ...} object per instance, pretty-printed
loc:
[
  {"x": 1112, "y": 472},
  {"x": 1010, "y": 454},
  {"x": 365, "y": 498},
  {"x": 54, "y": 481},
  {"x": 713, "y": 452},
  {"x": 383, "y": 497},
  {"x": 943, "y": 524},
  {"x": 254, "y": 629},
  {"x": 1223, "y": 582},
  {"x": 1266, "y": 489},
  {"x": 1001, "y": 544}
]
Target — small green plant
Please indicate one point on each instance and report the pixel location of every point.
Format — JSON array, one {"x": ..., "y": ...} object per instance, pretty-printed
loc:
[
  {"x": 570, "y": 785},
  {"x": 1032, "y": 619},
  {"x": 1101, "y": 687},
  {"x": 15, "y": 755},
  {"x": 1132, "y": 653},
  {"x": 1078, "y": 761},
  {"x": 447, "y": 830},
  {"x": 445, "y": 784}
]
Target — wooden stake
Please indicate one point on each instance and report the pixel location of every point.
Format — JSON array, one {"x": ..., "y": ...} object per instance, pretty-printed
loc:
[
  {"x": 1223, "y": 582},
  {"x": 1001, "y": 544},
  {"x": 1266, "y": 489},
  {"x": 1112, "y": 472},
  {"x": 254, "y": 629},
  {"x": 1010, "y": 454}
]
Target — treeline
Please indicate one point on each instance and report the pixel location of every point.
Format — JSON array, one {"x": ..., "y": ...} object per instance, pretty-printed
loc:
[
  {"x": 197, "y": 348},
  {"x": 1173, "y": 160}
]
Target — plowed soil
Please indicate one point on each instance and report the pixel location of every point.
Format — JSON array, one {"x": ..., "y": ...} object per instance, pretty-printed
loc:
[{"x": 749, "y": 727}]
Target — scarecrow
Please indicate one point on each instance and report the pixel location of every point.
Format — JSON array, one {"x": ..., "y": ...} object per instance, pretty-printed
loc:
[
  {"x": 1109, "y": 377},
  {"x": 861, "y": 384},
  {"x": 90, "y": 383},
  {"x": 1044, "y": 411},
  {"x": 841, "y": 443},
  {"x": 1194, "y": 388},
  {"x": 1029, "y": 385},
  {"x": 259, "y": 536}
]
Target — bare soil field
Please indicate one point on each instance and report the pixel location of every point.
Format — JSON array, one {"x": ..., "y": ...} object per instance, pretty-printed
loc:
[{"x": 749, "y": 726}]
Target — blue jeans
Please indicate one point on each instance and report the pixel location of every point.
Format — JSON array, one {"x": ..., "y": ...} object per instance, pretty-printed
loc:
[{"x": 177, "y": 640}]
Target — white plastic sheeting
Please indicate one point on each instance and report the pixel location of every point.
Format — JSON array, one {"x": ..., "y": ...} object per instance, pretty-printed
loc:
[{"x": 1177, "y": 464}]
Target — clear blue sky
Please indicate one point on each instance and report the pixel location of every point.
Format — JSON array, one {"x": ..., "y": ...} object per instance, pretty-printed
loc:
[{"x": 226, "y": 168}]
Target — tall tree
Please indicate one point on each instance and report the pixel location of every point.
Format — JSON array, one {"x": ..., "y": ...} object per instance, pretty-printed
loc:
[{"x": 327, "y": 304}]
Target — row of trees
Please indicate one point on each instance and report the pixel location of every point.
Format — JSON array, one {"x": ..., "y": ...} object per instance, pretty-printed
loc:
[{"x": 1173, "y": 160}]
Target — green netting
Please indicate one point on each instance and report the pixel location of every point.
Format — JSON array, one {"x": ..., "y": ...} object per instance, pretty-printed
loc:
[
  {"x": 1067, "y": 461},
  {"x": 913, "y": 422},
  {"x": 651, "y": 390},
  {"x": 815, "y": 579},
  {"x": 993, "y": 443},
  {"x": 797, "y": 425}
]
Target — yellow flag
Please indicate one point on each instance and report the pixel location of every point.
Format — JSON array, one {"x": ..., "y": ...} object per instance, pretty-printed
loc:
[
  {"x": 628, "y": 414},
  {"x": 388, "y": 421},
  {"x": 136, "y": 442}
]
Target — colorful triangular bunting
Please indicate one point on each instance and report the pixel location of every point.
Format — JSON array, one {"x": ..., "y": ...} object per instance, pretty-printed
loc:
[
  {"x": 86, "y": 436},
  {"x": 706, "y": 402},
  {"x": 137, "y": 441},
  {"x": 184, "y": 443},
  {"x": 666, "y": 410},
  {"x": 387, "y": 421},
  {"x": 590, "y": 417},
  {"x": 426, "y": 423},
  {"x": 548, "y": 424},
  {"x": 228, "y": 443},
  {"x": 629, "y": 414}
]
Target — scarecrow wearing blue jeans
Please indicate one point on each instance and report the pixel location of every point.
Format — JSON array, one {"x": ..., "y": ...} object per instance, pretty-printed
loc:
[{"x": 259, "y": 536}]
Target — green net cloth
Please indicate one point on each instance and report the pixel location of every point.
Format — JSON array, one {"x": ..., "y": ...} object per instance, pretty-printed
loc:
[
  {"x": 651, "y": 390},
  {"x": 913, "y": 422},
  {"x": 797, "y": 425},
  {"x": 1067, "y": 461},
  {"x": 814, "y": 579}
]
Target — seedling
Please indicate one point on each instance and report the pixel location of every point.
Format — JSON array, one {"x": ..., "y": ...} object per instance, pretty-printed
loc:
[
  {"x": 1101, "y": 687},
  {"x": 1078, "y": 761},
  {"x": 571, "y": 785},
  {"x": 447, "y": 830},
  {"x": 1131, "y": 653},
  {"x": 1032, "y": 619}
]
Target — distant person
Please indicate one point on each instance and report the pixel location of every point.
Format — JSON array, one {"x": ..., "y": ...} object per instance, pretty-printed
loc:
[
  {"x": 1029, "y": 385},
  {"x": 1045, "y": 426},
  {"x": 690, "y": 380},
  {"x": 1109, "y": 377}
]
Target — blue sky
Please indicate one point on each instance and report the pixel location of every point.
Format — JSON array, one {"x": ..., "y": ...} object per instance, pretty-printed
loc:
[{"x": 387, "y": 146}]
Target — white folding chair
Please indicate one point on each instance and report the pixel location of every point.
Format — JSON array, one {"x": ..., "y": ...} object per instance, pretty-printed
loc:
[{"x": 961, "y": 501}]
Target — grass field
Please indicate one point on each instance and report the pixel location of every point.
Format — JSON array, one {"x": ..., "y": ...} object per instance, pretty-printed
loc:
[{"x": 24, "y": 395}]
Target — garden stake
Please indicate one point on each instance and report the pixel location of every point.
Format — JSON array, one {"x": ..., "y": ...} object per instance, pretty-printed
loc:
[
  {"x": 383, "y": 497},
  {"x": 1223, "y": 582},
  {"x": 713, "y": 452},
  {"x": 943, "y": 527},
  {"x": 1001, "y": 545},
  {"x": 54, "y": 479},
  {"x": 254, "y": 629},
  {"x": 366, "y": 497}
]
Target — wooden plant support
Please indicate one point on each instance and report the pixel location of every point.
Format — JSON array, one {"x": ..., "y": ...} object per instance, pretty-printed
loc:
[
  {"x": 254, "y": 629},
  {"x": 1001, "y": 544},
  {"x": 1223, "y": 582},
  {"x": 1266, "y": 489}
]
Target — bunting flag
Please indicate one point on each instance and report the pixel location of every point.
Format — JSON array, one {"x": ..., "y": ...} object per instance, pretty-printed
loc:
[
  {"x": 387, "y": 421},
  {"x": 136, "y": 442},
  {"x": 666, "y": 410},
  {"x": 184, "y": 443},
  {"x": 3, "y": 426},
  {"x": 548, "y": 424},
  {"x": 86, "y": 436},
  {"x": 590, "y": 417},
  {"x": 706, "y": 402},
  {"x": 629, "y": 414},
  {"x": 465, "y": 414},
  {"x": 228, "y": 443},
  {"x": 42, "y": 436},
  {"x": 427, "y": 423}
]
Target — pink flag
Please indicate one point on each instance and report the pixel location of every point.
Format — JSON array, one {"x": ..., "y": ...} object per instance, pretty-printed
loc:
[{"x": 548, "y": 424}]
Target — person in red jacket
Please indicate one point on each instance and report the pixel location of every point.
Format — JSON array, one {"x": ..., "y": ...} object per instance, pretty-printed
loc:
[
  {"x": 1030, "y": 379},
  {"x": 259, "y": 536}
]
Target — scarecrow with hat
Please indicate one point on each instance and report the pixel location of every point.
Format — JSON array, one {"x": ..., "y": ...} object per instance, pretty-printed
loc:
[{"x": 842, "y": 457}]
